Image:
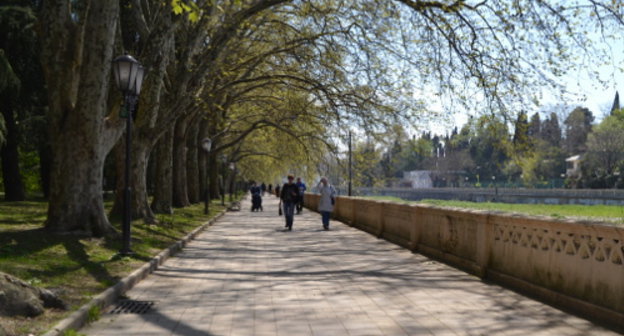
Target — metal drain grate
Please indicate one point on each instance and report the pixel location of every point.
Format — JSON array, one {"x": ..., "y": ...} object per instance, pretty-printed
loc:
[{"x": 132, "y": 307}]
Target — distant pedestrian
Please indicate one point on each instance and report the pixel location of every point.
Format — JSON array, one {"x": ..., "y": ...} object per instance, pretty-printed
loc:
[
  {"x": 263, "y": 188},
  {"x": 326, "y": 201},
  {"x": 270, "y": 189},
  {"x": 256, "y": 199},
  {"x": 302, "y": 188},
  {"x": 289, "y": 195},
  {"x": 254, "y": 189}
]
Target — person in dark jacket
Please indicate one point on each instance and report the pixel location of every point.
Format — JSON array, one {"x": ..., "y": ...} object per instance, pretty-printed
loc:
[
  {"x": 302, "y": 189},
  {"x": 289, "y": 194},
  {"x": 256, "y": 199}
]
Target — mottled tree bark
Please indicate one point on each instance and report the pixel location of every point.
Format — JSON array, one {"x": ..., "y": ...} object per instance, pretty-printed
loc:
[
  {"x": 157, "y": 44},
  {"x": 76, "y": 57},
  {"x": 180, "y": 190},
  {"x": 163, "y": 187},
  {"x": 13, "y": 184},
  {"x": 192, "y": 162},
  {"x": 138, "y": 172},
  {"x": 213, "y": 175},
  {"x": 202, "y": 158}
]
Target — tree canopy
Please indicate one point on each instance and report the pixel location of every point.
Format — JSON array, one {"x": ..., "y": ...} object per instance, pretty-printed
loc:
[{"x": 277, "y": 84}]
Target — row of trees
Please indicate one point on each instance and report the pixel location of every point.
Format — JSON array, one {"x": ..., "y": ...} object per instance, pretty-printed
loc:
[
  {"x": 528, "y": 152},
  {"x": 271, "y": 82}
]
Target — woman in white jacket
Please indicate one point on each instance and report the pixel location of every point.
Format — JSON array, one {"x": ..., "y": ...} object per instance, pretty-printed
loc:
[{"x": 326, "y": 202}]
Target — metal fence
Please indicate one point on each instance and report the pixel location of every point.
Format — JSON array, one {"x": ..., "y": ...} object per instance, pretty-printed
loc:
[{"x": 505, "y": 195}]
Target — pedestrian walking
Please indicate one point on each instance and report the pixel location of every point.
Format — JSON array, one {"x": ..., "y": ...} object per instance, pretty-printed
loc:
[
  {"x": 256, "y": 199},
  {"x": 326, "y": 201},
  {"x": 288, "y": 196},
  {"x": 263, "y": 188},
  {"x": 270, "y": 189},
  {"x": 302, "y": 188}
]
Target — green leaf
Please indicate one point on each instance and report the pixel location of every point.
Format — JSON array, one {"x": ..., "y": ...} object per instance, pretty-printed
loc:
[{"x": 176, "y": 5}]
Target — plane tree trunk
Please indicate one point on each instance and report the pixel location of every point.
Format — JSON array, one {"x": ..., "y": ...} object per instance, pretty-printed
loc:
[
  {"x": 163, "y": 186},
  {"x": 76, "y": 58}
]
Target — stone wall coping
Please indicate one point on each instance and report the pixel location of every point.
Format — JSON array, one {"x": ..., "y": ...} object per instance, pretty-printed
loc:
[{"x": 492, "y": 213}]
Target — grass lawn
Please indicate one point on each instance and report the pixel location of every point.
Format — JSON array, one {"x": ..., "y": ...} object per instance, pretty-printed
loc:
[
  {"x": 78, "y": 268},
  {"x": 611, "y": 214}
]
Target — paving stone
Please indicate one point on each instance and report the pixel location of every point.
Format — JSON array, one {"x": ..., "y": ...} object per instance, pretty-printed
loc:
[{"x": 246, "y": 276}]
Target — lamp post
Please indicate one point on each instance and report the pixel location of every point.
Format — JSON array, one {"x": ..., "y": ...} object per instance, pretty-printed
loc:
[
  {"x": 495, "y": 188},
  {"x": 206, "y": 145},
  {"x": 129, "y": 79},
  {"x": 350, "y": 165},
  {"x": 232, "y": 178},
  {"x": 222, "y": 179}
]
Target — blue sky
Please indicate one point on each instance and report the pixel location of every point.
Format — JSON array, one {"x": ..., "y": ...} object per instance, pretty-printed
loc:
[
  {"x": 583, "y": 91},
  {"x": 592, "y": 95}
]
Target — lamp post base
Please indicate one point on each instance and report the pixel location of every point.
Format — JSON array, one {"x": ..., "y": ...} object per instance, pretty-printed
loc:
[{"x": 127, "y": 253}]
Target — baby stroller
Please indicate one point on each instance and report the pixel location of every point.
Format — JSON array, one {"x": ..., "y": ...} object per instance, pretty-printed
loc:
[{"x": 256, "y": 202}]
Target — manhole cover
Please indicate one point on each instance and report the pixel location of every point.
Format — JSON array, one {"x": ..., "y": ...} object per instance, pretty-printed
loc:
[{"x": 132, "y": 307}]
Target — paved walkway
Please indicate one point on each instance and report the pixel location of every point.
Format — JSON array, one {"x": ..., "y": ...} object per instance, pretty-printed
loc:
[{"x": 246, "y": 276}]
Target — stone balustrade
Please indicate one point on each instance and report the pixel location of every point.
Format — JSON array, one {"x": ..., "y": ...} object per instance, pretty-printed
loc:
[{"x": 574, "y": 265}]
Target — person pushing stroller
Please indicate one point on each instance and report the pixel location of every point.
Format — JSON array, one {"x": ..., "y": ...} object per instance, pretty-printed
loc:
[{"x": 256, "y": 198}]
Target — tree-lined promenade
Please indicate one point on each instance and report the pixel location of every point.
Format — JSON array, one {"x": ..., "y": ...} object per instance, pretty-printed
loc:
[
  {"x": 272, "y": 83},
  {"x": 275, "y": 85}
]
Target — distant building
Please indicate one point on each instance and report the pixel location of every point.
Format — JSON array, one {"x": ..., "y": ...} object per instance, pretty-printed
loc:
[
  {"x": 573, "y": 166},
  {"x": 420, "y": 179},
  {"x": 417, "y": 179}
]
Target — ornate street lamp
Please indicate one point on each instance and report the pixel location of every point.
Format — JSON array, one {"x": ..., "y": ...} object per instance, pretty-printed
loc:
[
  {"x": 222, "y": 178},
  {"x": 129, "y": 75},
  {"x": 350, "y": 166},
  {"x": 206, "y": 145}
]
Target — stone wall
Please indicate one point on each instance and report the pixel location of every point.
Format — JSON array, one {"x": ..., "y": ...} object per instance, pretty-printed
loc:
[{"x": 576, "y": 265}]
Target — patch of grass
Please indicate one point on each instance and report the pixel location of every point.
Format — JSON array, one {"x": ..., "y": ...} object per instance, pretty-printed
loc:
[
  {"x": 388, "y": 198},
  {"x": 77, "y": 268},
  {"x": 72, "y": 332},
  {"x": 94, "y": 314},
  {"x": 606, "y": 213}
]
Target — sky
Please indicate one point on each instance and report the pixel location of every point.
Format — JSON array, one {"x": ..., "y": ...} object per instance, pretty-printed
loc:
[
  {"x": 597, "y": 99},
  {"x": 584, "y": 92}
]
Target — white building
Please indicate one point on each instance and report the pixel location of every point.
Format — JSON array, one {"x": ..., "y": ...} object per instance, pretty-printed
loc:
[
  {"x": 573, "y": 166},
  {"x": 418, "y": 178}
]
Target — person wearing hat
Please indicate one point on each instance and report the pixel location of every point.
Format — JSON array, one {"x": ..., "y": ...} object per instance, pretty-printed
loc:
[{"x": 289, "y": 194}]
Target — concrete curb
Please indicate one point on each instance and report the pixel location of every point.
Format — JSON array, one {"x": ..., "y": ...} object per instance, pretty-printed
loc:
[{"x": 79, "y": 318}]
